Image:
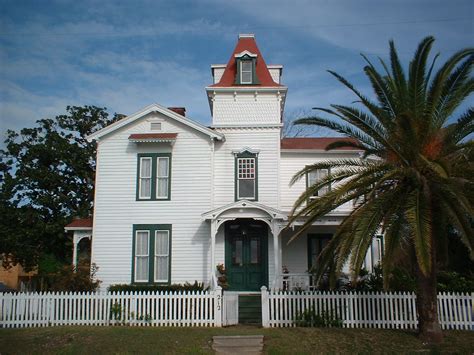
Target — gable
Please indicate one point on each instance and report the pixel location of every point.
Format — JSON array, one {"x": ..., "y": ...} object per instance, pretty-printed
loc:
[{"x": 154, "y": 108}]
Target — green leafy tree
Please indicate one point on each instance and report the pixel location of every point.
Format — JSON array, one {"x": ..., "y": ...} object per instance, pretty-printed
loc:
[
  {"x": 46, "y": 178},
  {"x": 415, "y": 179}
]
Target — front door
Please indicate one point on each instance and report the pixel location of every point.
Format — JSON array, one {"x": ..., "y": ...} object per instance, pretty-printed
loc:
[{"x": 246, "y": 255}]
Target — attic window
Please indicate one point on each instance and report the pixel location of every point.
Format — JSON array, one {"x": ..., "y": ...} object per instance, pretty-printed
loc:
[
  {"x": 155, "y": 126},
  {"x": 246, "y": 72}
]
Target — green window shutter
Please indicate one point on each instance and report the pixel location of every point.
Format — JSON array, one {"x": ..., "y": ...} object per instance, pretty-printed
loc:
[
  {"x": 247, "y": 163},
  {"x": 155, "y": 179},
  {"x": 152, "y": 231}
]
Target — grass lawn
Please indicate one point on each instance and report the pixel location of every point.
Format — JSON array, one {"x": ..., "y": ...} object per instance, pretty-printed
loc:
[{"x": 128, "y": 340}]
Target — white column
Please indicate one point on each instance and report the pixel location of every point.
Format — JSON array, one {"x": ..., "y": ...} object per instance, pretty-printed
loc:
[
  {"x": 276, "y": 254},
  {"x": 213, "y": 249},
  {"x": 75, "y": 242}
]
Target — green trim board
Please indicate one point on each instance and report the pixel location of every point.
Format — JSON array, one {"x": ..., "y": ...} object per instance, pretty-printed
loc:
[
  {"x": 154, "y": 165},
  {"x": 152, "y": 228},
  {"x": 245, "y": 154}
]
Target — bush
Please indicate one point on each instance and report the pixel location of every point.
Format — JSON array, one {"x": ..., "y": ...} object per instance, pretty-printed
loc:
[
  {"x": 68, "y": 278},
  {"x": 311, "y": 318},
  {"x": 451, "y": 281},
  {"x": 196, "y": 286}
]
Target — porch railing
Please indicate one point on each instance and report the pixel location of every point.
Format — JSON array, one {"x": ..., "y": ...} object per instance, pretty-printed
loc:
[{"x": 295, "y": 282}]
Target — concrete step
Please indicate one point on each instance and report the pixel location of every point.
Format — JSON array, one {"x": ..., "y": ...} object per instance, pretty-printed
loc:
[{"x": 238, "y": 344}]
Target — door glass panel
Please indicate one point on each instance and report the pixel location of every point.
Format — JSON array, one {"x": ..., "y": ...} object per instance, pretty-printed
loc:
[
  {"x": 237, "y": 251},
  {"x": 255, "y": 251}
]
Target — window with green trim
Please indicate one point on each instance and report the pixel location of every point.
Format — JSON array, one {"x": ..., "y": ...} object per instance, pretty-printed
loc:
[
  {"x": 154, "y": 176},
  {"x": 246, "y": 173},
  {"x": 151, "y": 253},
  {"x": 316, "y": 244},
  {"x": 246, "y": 71},
  {"x": 315, "y": 176}
]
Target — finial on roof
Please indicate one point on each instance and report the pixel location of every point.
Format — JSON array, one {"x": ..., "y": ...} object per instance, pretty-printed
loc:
[{"x": 246, "y": 35}]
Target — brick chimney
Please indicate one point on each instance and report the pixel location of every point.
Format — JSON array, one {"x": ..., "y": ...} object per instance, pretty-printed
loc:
[{"x": 179, "y": 110}]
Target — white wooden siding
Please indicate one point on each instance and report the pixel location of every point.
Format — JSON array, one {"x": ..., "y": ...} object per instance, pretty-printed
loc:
[
  {"x": 246, "y": 108},
  {"x": 266, "y": 141},
  {"x": 116, "y": 208},
  {"x": 291, "y": 163}
]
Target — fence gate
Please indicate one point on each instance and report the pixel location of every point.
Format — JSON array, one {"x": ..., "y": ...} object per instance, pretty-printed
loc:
[{"x": 230, "y": 309}]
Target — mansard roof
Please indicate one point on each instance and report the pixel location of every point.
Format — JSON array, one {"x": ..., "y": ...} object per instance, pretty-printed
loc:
[{"x": 246, "y": 45}]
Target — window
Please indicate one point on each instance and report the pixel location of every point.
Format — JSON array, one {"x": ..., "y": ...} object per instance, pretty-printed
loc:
[
  {"x": 315, "y": 176},
  {"x": 151, "y": 253},
  {"x": 155, "y": 126},
  {"x": 316, "y": 244},
  {"x": 144, "y": 185},
  {"x": 246, "y": 176},
  {"x": 246, "y": 72},
  {"x": 154, "y": 176}
]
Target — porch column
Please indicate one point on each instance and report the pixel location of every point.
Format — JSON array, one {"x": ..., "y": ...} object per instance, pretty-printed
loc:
[
  {"x": 213, "y": 250},
  {"x": 277, "y": 255}
]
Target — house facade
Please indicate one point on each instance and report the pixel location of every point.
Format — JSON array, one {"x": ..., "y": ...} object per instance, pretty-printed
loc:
[{"x": 174, "y": 198}]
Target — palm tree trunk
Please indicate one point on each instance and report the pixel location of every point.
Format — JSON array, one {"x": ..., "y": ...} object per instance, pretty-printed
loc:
[{"x": 426, "y": 301}]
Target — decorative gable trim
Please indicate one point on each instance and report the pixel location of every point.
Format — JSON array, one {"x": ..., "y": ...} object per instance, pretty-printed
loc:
[
  {"x": 243, "y": 205},
  {"x": 245, "y": 53},
  {"x": 155, "y": 108}
]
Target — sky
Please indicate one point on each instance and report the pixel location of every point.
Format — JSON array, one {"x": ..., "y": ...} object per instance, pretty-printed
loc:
[{"x": 124, "y": 55}]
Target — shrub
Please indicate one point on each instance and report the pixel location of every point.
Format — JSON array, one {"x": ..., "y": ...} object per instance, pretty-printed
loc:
[
  {"x": 311, "y": 318},
  {"x": 68, "y": 278},
  {"x": 451, "y": 281},
  {"x": 196, "y": 286}
]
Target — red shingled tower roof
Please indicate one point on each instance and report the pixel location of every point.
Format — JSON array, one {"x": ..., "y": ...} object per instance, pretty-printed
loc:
[{"x": 246, "y": 43}]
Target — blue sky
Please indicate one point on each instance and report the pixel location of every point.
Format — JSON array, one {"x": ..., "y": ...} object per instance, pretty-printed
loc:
[{"x": 127, "y": 54}]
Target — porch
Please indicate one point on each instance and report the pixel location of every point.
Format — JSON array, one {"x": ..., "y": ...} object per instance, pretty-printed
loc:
[{"x": 249, "y": 242}]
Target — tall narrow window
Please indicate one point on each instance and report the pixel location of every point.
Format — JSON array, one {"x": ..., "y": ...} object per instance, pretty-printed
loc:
[
  {"x": 246, "y": 72},
  {"x": 154, "y": 176},
  {"x": 246, "y": 183},
  {"x": 316, "y": 244},
  {"x": 161, "y": 255},
  {"x": 142, "y": 252},
  {"x": 162, "y": 178},
  {"x": 145, "y": 178},
  {"x": 316, "y": 176},
  {"x": 151, "y": 259}
]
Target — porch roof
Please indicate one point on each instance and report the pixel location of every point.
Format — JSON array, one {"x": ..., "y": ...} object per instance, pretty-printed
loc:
[{"x": 243, "y": 206}]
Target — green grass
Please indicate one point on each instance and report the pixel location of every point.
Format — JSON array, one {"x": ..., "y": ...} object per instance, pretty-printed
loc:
[{"x": 128, "y": 340}]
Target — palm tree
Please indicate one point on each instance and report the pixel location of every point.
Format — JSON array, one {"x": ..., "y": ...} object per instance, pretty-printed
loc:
[{"x": 416, "y": 175}]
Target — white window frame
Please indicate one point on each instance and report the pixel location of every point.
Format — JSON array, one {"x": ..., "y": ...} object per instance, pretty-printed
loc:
[
  {"x": 161, "y": 255},
  {"x": 317, "y": 179},
  {"x": 244, "y": 176},
  {"x": 145, "y": 177},
  {"x": 246, "y": 71},
  {"x": 141, "y": 255},
  {"x": 158, "y": 177}
]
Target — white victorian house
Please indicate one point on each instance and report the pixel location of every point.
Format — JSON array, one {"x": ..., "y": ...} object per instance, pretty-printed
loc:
[{"x": 174, "y": 198}]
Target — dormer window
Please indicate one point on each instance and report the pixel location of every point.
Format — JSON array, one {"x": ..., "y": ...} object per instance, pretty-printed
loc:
[
  {"x": 246, "y": 72},
  {"x": 246, "y": 64}
]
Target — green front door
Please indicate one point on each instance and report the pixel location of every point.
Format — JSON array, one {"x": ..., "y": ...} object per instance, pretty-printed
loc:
[{"x": 246, "y": 255}]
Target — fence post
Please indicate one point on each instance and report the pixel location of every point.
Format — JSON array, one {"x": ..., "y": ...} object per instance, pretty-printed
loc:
[
  {"x": 265, "y": 308},
  {"x": 218, "y": 306}
]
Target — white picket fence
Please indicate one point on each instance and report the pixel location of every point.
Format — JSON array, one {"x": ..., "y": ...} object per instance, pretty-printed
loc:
[
  {"x": 199, "y": 308},
  {"x": 393, "y": 310}
]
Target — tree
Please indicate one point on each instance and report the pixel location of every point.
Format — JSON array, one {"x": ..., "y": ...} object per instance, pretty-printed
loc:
[
  {"x": 46, "y": 178},
  {"x": 416, "y": 175}
]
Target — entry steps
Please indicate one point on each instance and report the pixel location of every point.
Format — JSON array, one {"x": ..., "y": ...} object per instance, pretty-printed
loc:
[
  {"x": 250, "y": 309},
  {"x": 238, "y": 344}
]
